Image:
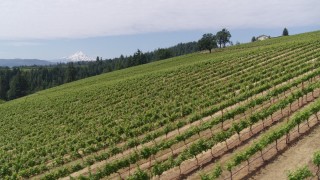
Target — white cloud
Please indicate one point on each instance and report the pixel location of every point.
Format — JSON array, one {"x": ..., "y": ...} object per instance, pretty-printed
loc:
[{"x": 45, "y": 19}]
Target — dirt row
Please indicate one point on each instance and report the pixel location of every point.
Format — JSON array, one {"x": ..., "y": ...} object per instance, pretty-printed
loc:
[
  {"x": 270, "y": 154},
  {"x": 299, "y": 154}
]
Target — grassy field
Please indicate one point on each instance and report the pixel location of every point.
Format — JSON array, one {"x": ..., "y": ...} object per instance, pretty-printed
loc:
[{"x": 161, "y": 116}]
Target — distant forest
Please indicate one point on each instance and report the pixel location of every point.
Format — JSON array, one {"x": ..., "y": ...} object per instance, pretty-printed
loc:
[{"x": 20, "y": 81}]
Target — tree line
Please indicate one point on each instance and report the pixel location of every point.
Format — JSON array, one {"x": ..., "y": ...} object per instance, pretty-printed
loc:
[{"x": 20, "y": 81}]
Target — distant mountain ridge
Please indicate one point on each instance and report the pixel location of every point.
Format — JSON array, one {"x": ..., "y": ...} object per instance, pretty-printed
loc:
[{"x": 24, "y": 62}]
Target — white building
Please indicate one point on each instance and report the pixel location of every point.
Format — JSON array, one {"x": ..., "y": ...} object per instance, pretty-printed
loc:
[{"x": 262, "y": 37}]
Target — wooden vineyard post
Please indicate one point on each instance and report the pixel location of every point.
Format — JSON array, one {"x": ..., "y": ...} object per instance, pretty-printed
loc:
[
  {"x": 316, "y": 114},
  {"x": 211, "y": 152},
  {"x": 119, "y": 175},
  {"x": 261, "y": 154},
  {"x": 306, "y": 97},
  {"x": 211, "y": 132},
  {"x": 171, "y": 150},
  {"x": 312, "y": 94}
]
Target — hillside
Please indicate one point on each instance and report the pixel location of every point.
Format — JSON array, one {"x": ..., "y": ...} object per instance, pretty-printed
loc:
[
  {"x": 24, "y": 62},
  {"x": 169, "y": 117}
]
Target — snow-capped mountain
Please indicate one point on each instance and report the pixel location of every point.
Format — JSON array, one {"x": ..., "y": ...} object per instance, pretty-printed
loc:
[{"x": 78, "y": 56}]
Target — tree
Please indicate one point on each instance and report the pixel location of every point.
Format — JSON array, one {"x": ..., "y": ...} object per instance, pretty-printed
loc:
[
  {"x": 207, "y": 42},
  {"x": 139, "y": 58},
  {"x": 71, "y": 72},
  {"x": 18, "y": 86},
  {"x": 285, "y": 32},
  {"x": 163, "y": 53},
  {"x": 253, "y": 39},
  {"x": 4, "y": 87},
  {"x": 223, "y": 37}
]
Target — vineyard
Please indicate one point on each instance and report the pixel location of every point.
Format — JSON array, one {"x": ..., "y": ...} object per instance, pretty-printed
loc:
[{"x": 222, "y": 115}]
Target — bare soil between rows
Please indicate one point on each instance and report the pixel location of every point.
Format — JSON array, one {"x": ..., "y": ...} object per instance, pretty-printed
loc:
[
  {"x": 303, "y": 139},
  {"x": 299, "y": 154}
]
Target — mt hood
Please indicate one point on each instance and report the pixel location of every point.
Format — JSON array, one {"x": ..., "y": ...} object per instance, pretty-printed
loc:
[{"x": 78, "y": 56}]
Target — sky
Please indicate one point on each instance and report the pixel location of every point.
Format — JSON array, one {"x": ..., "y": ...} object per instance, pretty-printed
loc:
[{"x": 51, "y": 29}]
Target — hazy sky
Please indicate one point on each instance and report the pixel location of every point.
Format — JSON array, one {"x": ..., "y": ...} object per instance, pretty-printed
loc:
[{"x": 49, "y": 29}]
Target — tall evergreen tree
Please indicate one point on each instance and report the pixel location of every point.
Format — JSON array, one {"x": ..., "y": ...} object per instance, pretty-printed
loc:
[
  {"x": 139, "y": 58},
  {"x": 71, "y": 72},
  {"x": 18, "y": 87},
  {"x": 3, "y": 87},
  {"x": 285, "y": 32},
  {"x": 163, "y": 53}
]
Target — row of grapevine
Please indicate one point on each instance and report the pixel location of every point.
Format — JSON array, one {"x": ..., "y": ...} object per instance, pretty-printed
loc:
[
  {"x": 272, "y": 136},
  {"x": 192, "y": 132},
  {"x": 129, "y": 113},
  {"x": 204, "y": 144},
  {"x": 128, "y": 141}
]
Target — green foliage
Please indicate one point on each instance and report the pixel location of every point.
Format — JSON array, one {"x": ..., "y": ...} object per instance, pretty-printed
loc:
[
  {"x": 205, "y": 177},
  {"x": 139, "y": 175},
  {"x": 103, "y": 116},
  {"x": 300, "y": 174},
  {"x": 223, "y": 37},
  {"x": 207, "y": 42},
  {"x": 164, "y": 53},
  {"x": 217, "y": 171},
  {"x": 285, "y": 32},
  {"x": 18, "y": 86},
  {"x": 316, "y": 158},
  {"x": 274, "y": 135}
]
